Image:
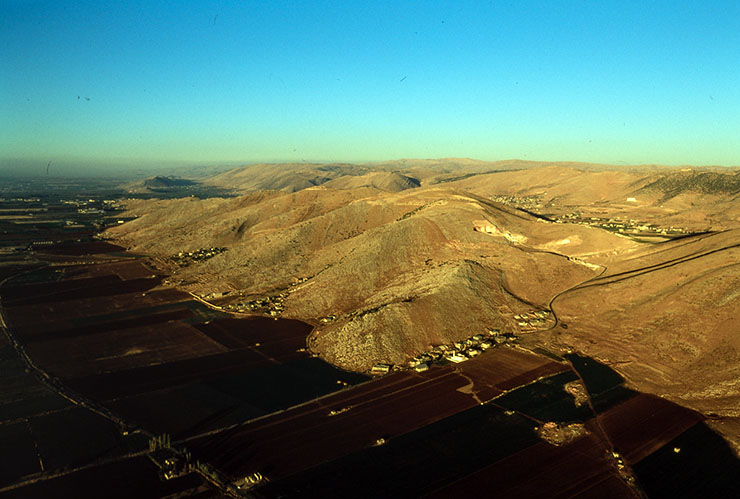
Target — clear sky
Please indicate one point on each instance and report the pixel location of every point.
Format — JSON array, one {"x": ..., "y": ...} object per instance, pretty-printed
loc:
[{"x": 150, "y": 82}]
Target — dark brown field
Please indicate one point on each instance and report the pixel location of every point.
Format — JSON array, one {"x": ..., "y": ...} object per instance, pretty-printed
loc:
[
  {"x": 116, "y": 350},
  {"x": 155, "y": 356},
  {"x": 39, "y": 317},
  {"x": 127, "y": 382},
  {"x": 386, "y": 408},
  {"x": 126, "y": 270},
  {"x": 645, "y": 423},
  {"x": 504, "y": 369},
  {"x": 308, "y": 435},
  {"x": 116, "y": 480},
  {"x": 72, "y": 328},
  {"x": 579, "y": 469},
  {"x": 277, "y": 339},
  {"x": 91, "y": 248}
]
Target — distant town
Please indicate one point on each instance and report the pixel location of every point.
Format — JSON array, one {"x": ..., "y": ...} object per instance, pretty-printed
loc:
[{"x": 618, "y": 224}]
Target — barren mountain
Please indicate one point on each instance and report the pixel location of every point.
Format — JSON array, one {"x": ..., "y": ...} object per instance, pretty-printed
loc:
[
  {"x": 384, "y": 181},
  {"x": 669, "y": 317},
  {"x": 676, "y": 183},
  {"x": 386, "y": 275},
  {"x": 158, "y": 183},
  {"x": 695, "y": 200},
  {"x": 399, "y": 271},
  {"x": 293, "y": 177},
  {"x": 172, "y": 187},
  {"x": 288, "y": 177}
]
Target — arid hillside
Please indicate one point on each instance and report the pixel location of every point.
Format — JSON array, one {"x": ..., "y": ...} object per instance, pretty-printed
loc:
[
  {"x": 285, "y": 177},
  {"x": 693, "y": 198},
  {"x": 384, "y": 275},
  {"x": 384, "y": 181},
  {"x": 669, "y": 317},
  {"x": 636, "y": 268}
]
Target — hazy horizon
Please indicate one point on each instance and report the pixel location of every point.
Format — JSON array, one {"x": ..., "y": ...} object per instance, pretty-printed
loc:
[
  {"x": 140, "y": 85},
  {"x": 128, "y": 170}
]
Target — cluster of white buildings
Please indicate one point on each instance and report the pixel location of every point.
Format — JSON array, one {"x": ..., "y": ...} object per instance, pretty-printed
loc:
[{"x": 458, "y": 351}]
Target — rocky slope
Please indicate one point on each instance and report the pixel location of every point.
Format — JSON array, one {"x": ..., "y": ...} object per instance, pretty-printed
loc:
[
  {"x": 384, "y": 181},
  {"x": 399, "y": 271},
  {"x": 670, "y": 317},
  {"x": 385, "y": 271}
]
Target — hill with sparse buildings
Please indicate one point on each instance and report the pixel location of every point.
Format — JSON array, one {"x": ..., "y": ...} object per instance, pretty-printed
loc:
[{"x": 388, "y": 263}]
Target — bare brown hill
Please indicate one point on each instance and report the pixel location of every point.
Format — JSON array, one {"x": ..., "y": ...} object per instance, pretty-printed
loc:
[
  {"x": 384, "y": 181},
  {"x": 399, "y": 271},
  {"x": 289, "y": 177},
  {"x": 293, "y": 177},
  {"x": 669, "y": 316},
  {"x": 558, "y": 184},
  {"x": 696, "y": 199},
  {"x": 675, "y": 183},
  {"x": 158, "y": 184},
  {"x": 385, "y": 272}
]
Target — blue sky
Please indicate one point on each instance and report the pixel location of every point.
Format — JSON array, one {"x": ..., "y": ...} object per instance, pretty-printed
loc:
[{"x": 214, "y": 82}]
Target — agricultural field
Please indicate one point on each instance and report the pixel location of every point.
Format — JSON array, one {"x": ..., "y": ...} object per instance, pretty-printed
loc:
[
  {"x": 105, "y": 369},
  {"x": 134, "y": 477},
  {"x": 498, "y": 445},
  {"x": 100, "y": 357}
]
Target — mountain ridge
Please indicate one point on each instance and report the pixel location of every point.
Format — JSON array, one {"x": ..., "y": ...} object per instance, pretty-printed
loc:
[{"x": 385, "y": 275}]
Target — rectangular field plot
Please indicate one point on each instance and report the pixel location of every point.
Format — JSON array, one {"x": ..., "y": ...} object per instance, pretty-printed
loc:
[
  {"x": 127, "y": 382},
  {"x": 72, "y": 328},
  {"x": 21, "y": 394},
  {"x": 416, "y": 463},
  {"x": 9, "y": 267},
  {"x": 336, "y": 425},
  {"x": 605, "y": 386},
  {"x": 122, "y": 349},
  {"x": 608, "y": 399},
  {"x": 25, "y": 396},
  {"x": 91, "y": 248},
  {"x": 17, "y": 452},
  {"x": 698, "y": 463},
  {"x": 354, "y": 419},
  {"x": 187, "y": 309},
  {"x": 579, "y": 469},
  {"x": 78, "y": 436},
  {"x": 275, "y": 338},
  {"x": 183, "y": 410},
  {"x": 547, "y": 400},
  {"x": 77, "y": 289},
  {"x": 644, "y": 423},
  {"x": 126, "y": 270},
  {"x": 16, "y": 290},
  {"x": 219, "y": 400},
  {"x": 501, "y": 369},
  {"x": 599, "y": 378},
  {"x": 39, "y": 275},
  {"x": 39, "y": 317},
  {"x": 132, "y": 478}
]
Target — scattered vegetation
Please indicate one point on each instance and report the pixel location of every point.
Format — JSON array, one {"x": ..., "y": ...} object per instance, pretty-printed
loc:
[
  {"x": 708, "y": 183},
  {"x": 269, "y": 305},
  {"x": 578, "y": 391},
  {"x": 559, "y": 434},
  {"x": 183, "y": 259}
]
